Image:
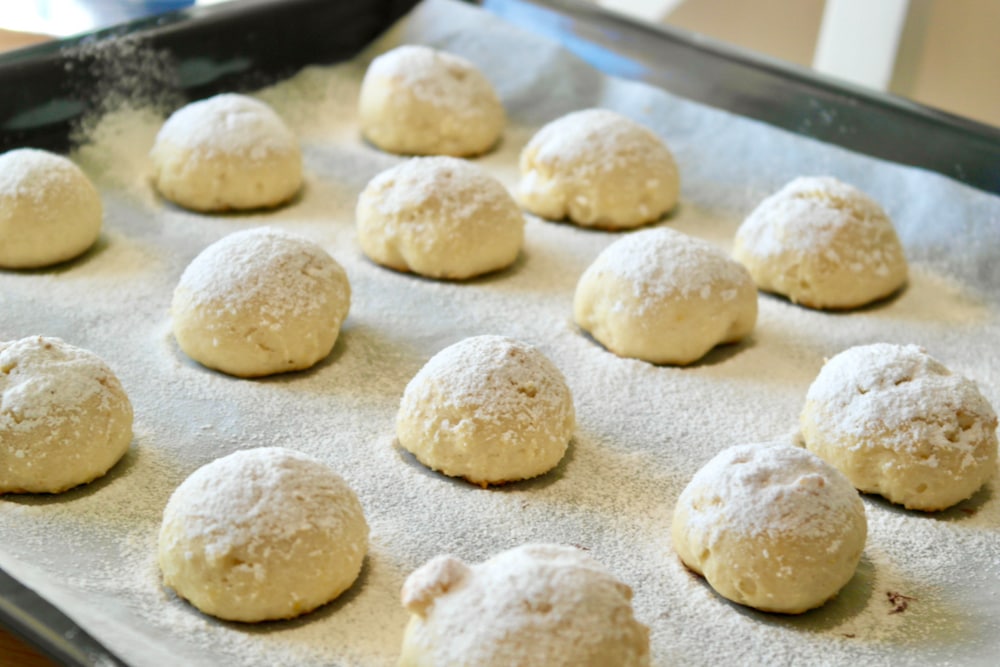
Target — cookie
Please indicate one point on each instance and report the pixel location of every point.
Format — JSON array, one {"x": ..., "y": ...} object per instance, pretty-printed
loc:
[
  {"x": 262, "y": 534},
  {"x": 415, "y": 100},
  {"x": 664, "y": 297},
  {"x": 823, "y": 244},
  {"x": 598, "y": 168},
  {"x": 65, "y": 419},
  {"x": 439, "y": 217},
  {"x": 772, "y": 527},
  {"x": 898, "y": 423},
  {"x": 226, "y": 153},
  {"x": 260, "y": 302},
  {"x": 537, "y": 604},
  {"x": 50, "y": 212},
  {"x": 489, "y": 409}
]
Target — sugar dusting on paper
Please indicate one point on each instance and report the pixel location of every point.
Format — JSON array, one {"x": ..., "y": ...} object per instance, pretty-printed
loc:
[{"x": 925, "y": 590}]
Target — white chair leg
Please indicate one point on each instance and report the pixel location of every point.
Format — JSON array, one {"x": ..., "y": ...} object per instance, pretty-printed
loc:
[
  {"x": 647, "y": 10},
  {"x": 859, "y": 40}
]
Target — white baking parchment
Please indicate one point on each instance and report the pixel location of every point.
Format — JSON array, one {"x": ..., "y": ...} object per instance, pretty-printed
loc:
[{"x": 926, "y": 590}]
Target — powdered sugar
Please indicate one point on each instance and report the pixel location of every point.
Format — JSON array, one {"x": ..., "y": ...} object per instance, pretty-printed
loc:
[
  {"x": 642, "y": 431},
  {"x": 458, "y": 189},
  {"x": 899, "y": 397},
  {"x": 279, "y": 275},
  {"x": 536, "y": 604},
  {"x": 44, "y": 382},
  {"x": 228, "y": 124},
  {"x": 259, "y": 498},
  {"x": 782, "y": 491},
  {"x": 662, "y": 263},
  {"x": 592, "y": 141},
  {"x": 811, "y": 215},
  {"x": 35, "y": 175},
  {"x": 436, "y": 77},
  {"x": 494, "y": 380}
]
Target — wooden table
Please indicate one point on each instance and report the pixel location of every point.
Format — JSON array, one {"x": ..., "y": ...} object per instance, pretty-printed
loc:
[
  {"x": 15, "y": 40},
  {"x": 16, "y": 653}
]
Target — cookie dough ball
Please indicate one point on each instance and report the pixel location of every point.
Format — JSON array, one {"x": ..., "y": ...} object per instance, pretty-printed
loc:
[
  {"x": 262, "y": 534},
  {"x": 600, "y": 169},
  {"x": 440, "y": 217},
  {"x": 898, "y": 423},
  {"x": 64, "y": 417},
  {"x": 770, "y": 526},
  {"x": 260, "y": 302},
  {"x": 664, "y": 297},
  {"x": 49, "y": 210},
  {"x": 822, "y": 244},
  {"x": 418, "y": 101},
  {"x": 538, "y": 604},
  {"x": 489, "y": 409},
  {"x": 228, "y": 152}
]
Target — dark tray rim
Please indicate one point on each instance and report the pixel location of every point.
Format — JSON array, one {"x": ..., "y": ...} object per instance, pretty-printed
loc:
[{"x": 767, "y": 89}]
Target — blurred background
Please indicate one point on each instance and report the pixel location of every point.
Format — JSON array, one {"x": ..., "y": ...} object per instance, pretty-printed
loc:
[
  {"x": 62, "y": 18},
  {"x": 942, "y": 53}
]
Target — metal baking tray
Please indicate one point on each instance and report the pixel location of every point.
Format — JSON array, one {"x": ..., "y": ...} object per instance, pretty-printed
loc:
[
  {"x": 49, "y": 88},
  {"x": 778, "y": 93},
  {"x": 251, "y": 43}
]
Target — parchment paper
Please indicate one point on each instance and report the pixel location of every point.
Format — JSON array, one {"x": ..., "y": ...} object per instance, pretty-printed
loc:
[{"x": 642, "y": 430}]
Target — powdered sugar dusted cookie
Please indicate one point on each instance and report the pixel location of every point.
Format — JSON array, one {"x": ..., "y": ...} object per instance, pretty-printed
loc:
[
  {"x": 262, "y": 534},
  {"x": 898, "y": 423},
  {"x": 259, "y": 302},
  {"x": 771, "y": 526},
  {"x": 415, "y": 100},
  {"x": 440, "y": 217},
  {"x": 823, "y": 244},
  {"x": 228, "y": 152},
  {"x": 490, "y": 409},
  {"x": 537, "y": 604},
  {"x": 664, "y": 297},
  {"x": 49, "y": 210},
  {"x": 598, "y": 168},
  {"x": 64, "y": 417}
]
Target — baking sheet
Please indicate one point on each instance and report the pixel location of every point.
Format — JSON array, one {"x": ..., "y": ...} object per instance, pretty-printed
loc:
[{"x": 642, "y": 430}]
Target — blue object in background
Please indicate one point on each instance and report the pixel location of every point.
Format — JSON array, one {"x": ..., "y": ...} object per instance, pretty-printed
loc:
[{"x": 62, "y": 18}]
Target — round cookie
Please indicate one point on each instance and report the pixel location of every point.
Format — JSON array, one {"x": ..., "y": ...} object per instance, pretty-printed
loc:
[
  {"x": 49, "y": 210},
  {"x": 664, "y": 297},
  {"x": 770, "y": 526},
  {"x": 537, "y": 604},
  {"x": 598, "y": 168},
  {"x": 259, "y": 302},
  {"x": 898, "y": 423},
  {"x": 415, "y": 100},
  {"x": 440, "y": 217},
  {"x": 228, "y": 152},
  {"x": 64, "y": 418},
  {"x": 823, "y": 244},
  {"x": 262, "y": 534},
  {"x": 489, "y": 409}
]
